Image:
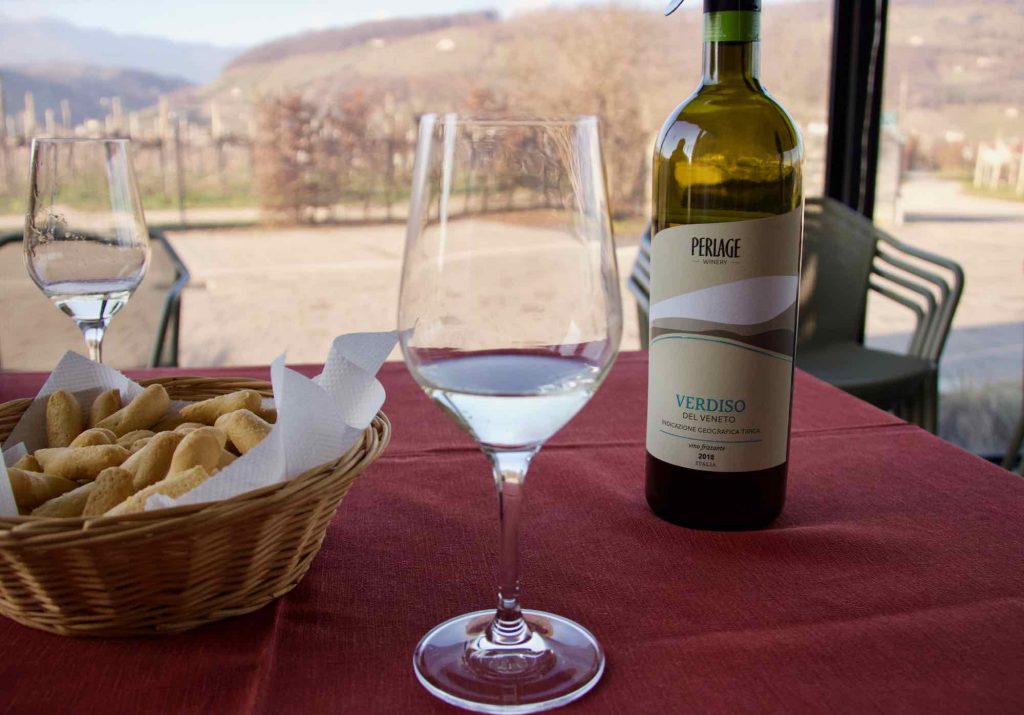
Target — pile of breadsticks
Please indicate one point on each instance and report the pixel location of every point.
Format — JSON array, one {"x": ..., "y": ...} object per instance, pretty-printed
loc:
[{"x": 111, "y": 462}]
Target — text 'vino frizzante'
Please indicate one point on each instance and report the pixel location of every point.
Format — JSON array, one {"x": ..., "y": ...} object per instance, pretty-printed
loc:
[{"x": 726, "y": 233}]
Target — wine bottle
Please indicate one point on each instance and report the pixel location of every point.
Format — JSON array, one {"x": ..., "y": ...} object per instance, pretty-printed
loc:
[{"x": 726, "y": 229}]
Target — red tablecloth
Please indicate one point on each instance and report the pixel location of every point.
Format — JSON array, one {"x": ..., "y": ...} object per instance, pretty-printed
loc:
[{"x": 892, "y": 582}]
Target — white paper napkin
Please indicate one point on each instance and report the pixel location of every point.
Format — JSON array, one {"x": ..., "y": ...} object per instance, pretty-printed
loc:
[{"x": 317, "y": 420}]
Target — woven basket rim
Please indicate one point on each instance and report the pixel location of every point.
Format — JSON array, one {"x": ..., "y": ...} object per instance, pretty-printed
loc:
[{"x": 15, "y": 530}]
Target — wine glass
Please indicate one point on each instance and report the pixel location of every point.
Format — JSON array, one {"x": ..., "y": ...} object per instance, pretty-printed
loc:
[
  {"x": 511, "y": 317},
  {"x": 86, "y": 244}
]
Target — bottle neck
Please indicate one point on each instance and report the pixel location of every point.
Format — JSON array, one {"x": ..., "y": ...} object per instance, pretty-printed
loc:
[{"x": 732, "y": 47}]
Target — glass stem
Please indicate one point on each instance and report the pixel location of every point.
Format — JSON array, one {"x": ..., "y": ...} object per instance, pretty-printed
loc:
[
  {"x": 508, "y": 627},
  {"x": 93, "y": 332}
]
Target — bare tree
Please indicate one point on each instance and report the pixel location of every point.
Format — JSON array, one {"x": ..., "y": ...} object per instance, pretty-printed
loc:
[
  {"x": 575, "y": 62},
  {"x": 297, "y": 158}
]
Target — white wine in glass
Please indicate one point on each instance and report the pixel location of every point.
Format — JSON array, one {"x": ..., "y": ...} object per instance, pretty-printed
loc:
[
  {"x": 511, "y": 317},
  {"x": 86, "y": 243}
]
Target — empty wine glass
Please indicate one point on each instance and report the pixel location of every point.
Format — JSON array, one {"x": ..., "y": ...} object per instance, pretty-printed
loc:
[
  {"x": 511, "y": 318},
  {"x": 86, "y": 244}
]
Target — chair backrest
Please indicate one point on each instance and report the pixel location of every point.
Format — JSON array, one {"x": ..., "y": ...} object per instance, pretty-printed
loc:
[
  {"x": 34, "y": 334},
  {"x": 926, "y": 283},
  {"x": 834, "y": 275},
  {"x": 639, "y": 282}
]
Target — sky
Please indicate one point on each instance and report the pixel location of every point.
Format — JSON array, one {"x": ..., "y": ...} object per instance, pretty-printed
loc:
[
  {"x": 235, "y": 23},
  {"x": 243, "y": 23}
]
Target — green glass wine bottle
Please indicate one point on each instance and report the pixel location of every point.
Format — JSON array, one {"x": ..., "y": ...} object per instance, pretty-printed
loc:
[{"x": 726, "y": 231}]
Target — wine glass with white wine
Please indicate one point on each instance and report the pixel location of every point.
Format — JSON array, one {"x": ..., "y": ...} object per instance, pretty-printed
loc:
[
  {"x": 86, "y": 243},
  {"x": 511, "y": 317}
]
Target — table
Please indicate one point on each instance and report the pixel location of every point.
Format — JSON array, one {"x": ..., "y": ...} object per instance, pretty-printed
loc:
[{"x": 892, "y": 581}]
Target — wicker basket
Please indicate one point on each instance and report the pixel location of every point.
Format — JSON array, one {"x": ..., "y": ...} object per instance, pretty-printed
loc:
[{"x": 172, "y": 570}]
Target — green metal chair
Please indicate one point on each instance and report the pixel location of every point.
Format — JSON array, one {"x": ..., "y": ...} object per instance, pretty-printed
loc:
[
  {"x": 845, "y": 256},
  {"x": 34, "y": 334}
]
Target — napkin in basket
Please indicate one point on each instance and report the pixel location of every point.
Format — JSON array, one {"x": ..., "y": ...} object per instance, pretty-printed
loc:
[{"x": 317, "y": 420}]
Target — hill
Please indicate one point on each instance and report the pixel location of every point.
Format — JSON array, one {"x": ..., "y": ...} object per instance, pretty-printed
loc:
[
  {"x": 47, "y": 41},
  {"x": 951, "y": 67},
  {"x": 88, "y": 89},
  {"x": 945, "y": 61},
  {"x": 340, "y": 39}
]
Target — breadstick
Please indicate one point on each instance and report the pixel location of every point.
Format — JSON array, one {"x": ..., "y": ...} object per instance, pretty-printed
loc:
[
  {"x": 113, "y": 486},
  {"x": 32, "y": 489},
  {"x": 173, "y": 486},
  {"x": 244, "y": 429},
  {"x": 226, "y": 458},
  {"x": 199, "y": 448},
  {"x": 139, "y": 444},
  {"x": 150, "y": 464},
  {"x": 134, "y": 436},
  {"x": 267, "y": 413},
  {"x": 208, "y": 411},
  {"x": 66, "y": 505},
  {"x": 63, "y": 419},
  {"x": 94, "y": 436},
  {"x": 220, "y": 435},
  {"x": 186, "y": 427},
  {"x": 141, "y": 413},
  {"x": 29, "y": 463},
  {"x": 81, "y": 462},
  {"x": 105, "y": 404},
  {"x": 168, "y": 423}
]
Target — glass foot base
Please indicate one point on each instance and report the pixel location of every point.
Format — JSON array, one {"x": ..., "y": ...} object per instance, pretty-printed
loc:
[{"x": 560, "y": 662}]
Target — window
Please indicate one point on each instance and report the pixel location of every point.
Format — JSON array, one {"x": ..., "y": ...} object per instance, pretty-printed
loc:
[{"x": 950, "y": 180}]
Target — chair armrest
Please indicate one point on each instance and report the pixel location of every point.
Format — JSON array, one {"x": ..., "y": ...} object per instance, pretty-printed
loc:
[
  {"x": 935, "y": 342},
  {"x": 919, "y": 314},
  {"x": 927, "y": 316},
  {"x": 172, "y": 302}
]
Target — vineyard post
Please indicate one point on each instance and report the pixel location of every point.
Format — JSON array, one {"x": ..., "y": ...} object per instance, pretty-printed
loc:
[
  {"x": 5, "y": 175},
  {"x": 179, "y": 170}
]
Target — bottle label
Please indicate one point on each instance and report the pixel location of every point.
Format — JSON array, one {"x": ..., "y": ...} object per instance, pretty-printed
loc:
[
  {"x": 732, "y": 26},
  {"x": 723, "y": 321}
]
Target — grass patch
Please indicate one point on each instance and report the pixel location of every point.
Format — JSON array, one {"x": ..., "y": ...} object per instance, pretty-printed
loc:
[
  {"x": 202, "y": 199},
  {"x": 1005, "y": 193},
  {"x": 629, "y": 230}
]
